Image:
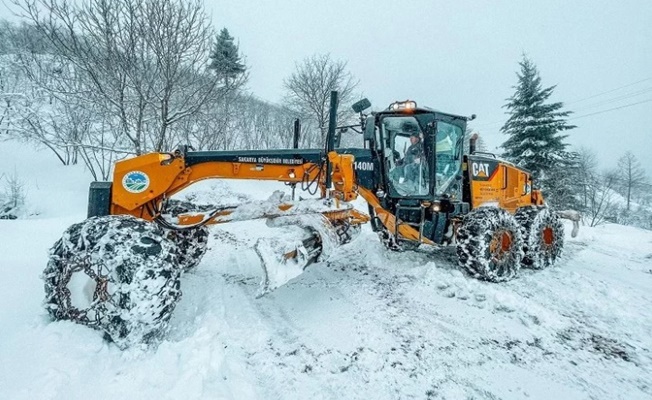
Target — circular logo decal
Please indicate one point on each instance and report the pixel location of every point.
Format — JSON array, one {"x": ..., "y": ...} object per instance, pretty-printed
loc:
[{"x": 135, "y": 182}]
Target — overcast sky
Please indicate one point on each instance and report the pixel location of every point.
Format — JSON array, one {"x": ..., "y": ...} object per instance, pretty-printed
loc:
[{"x": 461, "y": 56}]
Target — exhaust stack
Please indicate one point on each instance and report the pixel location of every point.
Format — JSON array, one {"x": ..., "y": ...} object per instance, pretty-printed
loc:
[{"x": 472, "y": 141}]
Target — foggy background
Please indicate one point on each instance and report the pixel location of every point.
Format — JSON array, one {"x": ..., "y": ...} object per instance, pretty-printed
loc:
[{"x": 462, "y": 57}]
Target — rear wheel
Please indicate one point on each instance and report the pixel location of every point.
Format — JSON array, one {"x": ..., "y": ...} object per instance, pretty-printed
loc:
[
  {"x": 543, "y": 236},
  {"x": 489, "y": 244},
  {"x": 117, "y": 274}
]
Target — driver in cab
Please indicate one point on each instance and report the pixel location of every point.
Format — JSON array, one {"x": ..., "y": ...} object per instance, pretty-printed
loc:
[
  {"x": 408, "y": 174},
  {"x": 414, "y": 154}
]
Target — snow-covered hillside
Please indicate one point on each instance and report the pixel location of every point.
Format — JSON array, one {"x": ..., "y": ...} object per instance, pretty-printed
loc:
[{"x": 367, "y": 324}]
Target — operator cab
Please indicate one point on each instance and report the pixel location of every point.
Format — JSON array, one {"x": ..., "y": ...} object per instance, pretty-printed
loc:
[{"x": 421, "y": 151}]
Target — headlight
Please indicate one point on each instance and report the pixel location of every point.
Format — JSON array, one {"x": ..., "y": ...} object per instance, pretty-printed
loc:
[{"x": 403, "y": 105}]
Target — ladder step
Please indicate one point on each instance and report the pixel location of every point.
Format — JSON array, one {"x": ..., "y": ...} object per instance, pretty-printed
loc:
[{"x": 418, "y": 225}]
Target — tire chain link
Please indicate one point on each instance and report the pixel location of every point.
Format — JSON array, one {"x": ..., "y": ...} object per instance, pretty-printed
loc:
[{"x": 100, "y": 294}]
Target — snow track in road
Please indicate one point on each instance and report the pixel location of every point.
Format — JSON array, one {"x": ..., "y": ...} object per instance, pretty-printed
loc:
[{"x": 412, "y": 325}]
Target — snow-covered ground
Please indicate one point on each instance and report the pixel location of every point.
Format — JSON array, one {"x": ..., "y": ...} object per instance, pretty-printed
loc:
[{"x": 366, "y": 324}]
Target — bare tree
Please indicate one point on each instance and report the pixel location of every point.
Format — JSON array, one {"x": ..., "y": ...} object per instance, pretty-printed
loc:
[
  {"x": 103, "y": 149},
  {"x": 262, "y": 125},
  {"x": 15, "y": 88},
  {"x": 308, "y": 90},
  {"x": 595, "y": 191},
  {"x": 601, "y": 198},
  {"x": 631, "y": 176},
  {"x": 12, "y": 196},
  {"x": 5, "y": 31},
  {"x": 10, "y": 95},
  {"x": 585, "y": 174},
  {"x": 248, "y": 123},
  {"x": 48, "y": 121},
  {"x": 67, "y": 125},
  {"x": 143, "y": 61}
]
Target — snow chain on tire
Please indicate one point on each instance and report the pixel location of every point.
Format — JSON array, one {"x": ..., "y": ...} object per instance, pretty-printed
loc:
[
  {"x": 117, "y": 274},
  {"x": 489, "y": 244},
  {"x": 543, "y": 236}
]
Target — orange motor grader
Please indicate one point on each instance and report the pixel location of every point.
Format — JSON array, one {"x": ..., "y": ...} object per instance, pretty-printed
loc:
[{"x": 119, "y": 270}]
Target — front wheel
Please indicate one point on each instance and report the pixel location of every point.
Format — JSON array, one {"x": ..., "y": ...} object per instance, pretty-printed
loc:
[
  {"x": 117, "y": 274},
  {"x": 543, "y": 236},
  {"x": 489, "y": 244}
]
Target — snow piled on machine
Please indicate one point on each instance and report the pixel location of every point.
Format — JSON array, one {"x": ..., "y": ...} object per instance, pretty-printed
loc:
[{"x": 364, "y": 323}]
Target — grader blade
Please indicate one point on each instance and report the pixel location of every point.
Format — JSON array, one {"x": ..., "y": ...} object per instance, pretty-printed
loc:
[
  {"x": 306, "y": 230},
  {"x": 302, "y": 240},
  {"x": 282, "y": 261},
  {"x": 574, "y": 216}
]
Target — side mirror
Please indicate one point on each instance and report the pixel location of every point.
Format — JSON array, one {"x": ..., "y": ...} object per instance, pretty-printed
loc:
[
  {"x": 370, "y": 129},
  {"x": 361, "y": 105}
]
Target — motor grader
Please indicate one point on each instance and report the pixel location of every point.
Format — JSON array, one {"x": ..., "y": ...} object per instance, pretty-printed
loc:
[{"x": 119, "y": 270}]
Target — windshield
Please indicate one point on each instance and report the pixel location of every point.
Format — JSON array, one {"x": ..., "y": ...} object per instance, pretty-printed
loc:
[
  {"x": 448, "y": 145},
  {"x": 405, "y": 156},
  {"x": 411, "y": 153}
]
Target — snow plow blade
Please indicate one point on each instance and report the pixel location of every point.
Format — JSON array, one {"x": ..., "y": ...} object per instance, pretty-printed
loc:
[
  {"x": 574, "y": 216},
  {"x": 302, "y": 240},
  {"x": 306, "y": 231}
]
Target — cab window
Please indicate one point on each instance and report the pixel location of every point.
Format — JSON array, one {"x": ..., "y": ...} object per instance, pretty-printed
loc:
[
  {"x": 405, "y": 156},
  {"x": 448, "y": 151}
]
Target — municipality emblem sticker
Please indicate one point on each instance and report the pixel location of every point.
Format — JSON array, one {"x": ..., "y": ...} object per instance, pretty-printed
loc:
[{"x": 135, "y": 182}]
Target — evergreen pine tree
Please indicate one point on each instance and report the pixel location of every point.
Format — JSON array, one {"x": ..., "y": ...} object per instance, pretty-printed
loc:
[
  {"x": 562, "y": 184},
  {"x": 226, "y": 61},
  {"x": 535, "y": 127}
]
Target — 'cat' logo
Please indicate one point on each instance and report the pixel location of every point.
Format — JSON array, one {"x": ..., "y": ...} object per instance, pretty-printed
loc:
[{"x": 480, "y": 169}]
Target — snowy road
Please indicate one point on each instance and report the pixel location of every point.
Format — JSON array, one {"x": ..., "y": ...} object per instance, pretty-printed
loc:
[{"x": 367, "y": 324}]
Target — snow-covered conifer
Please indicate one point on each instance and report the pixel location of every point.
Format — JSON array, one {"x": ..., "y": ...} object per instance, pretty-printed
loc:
[
  {"x": 226, "y": 61},
  {"x": 535, "y": 128}
]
